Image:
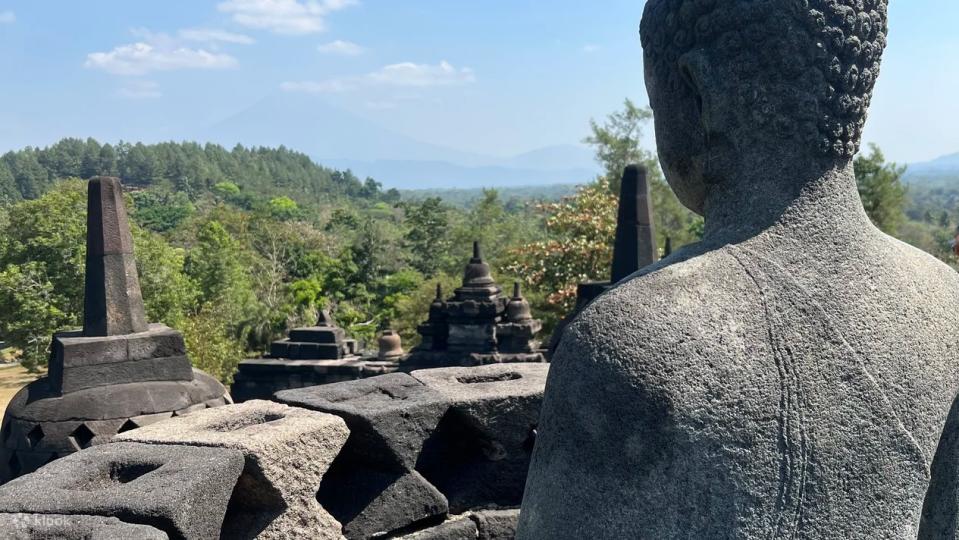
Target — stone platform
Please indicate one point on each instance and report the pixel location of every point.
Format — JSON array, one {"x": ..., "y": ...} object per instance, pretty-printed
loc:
[
  {"x": 433, "y": 455},
  {"x": 262, "y": 377}
]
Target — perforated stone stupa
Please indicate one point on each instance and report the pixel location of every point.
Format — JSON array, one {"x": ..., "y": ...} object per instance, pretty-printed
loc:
[
  {"x": 117, "y": 373},
  {"x": 477, "y": 325}
]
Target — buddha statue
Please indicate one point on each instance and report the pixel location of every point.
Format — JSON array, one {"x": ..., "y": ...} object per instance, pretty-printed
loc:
[{"x": 792, "y": 375}]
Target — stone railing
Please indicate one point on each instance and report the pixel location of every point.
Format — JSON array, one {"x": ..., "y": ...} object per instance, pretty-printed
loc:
[{"x": 434, "y": 454}]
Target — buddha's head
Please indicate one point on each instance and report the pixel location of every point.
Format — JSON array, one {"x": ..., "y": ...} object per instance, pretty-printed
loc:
[{"x": 736, "y": 81}]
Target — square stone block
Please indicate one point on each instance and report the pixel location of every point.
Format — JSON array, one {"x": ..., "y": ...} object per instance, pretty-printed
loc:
[
  {"x": 480, "y": 453},
  {"x": 371, "y": 502},
  {"x": 318, "y": 334},
  {"x": 287, "y": 451},
  {"x": 78, "y": 362},
  {"x": 389, "y": 416},
  {"x": 60, "y": 526},
  {"x": 180, "y": 490}
]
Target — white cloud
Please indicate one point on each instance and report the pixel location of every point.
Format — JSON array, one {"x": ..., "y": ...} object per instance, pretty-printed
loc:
[
  {"x": 7, "y": 17},
  {"x": 213, "y": 35},
  {"x": 140, "y": 58},
  {"x": 344, "y": 48},
  {"x": 421, "y": 75},
  {"x": 283, "y": 16},
  {"x": 405, "y": 74},
  {"x": 140, "y": 90},
  {"x": 591, "y": 48}
]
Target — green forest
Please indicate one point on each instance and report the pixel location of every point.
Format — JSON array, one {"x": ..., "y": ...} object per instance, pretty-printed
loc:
[{"x": 236, "y": 246}]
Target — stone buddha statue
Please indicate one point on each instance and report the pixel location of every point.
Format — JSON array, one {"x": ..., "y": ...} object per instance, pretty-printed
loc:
[{"x": 794, "y": 374}]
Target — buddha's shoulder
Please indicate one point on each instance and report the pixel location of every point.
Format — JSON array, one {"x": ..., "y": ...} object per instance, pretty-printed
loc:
[
  {"x": 676, "y": 309},
  {"x": 916, "y": 265}
]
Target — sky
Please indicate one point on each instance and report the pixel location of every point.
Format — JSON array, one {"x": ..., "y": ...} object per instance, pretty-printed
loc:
[{"x": 497, "y": 78}]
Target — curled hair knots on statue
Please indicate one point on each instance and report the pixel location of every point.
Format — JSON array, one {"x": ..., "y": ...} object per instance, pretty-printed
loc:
[{"x": 804, "y": 68}]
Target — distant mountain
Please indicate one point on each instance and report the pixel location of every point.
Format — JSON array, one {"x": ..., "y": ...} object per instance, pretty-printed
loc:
[
  {"x": 554, "y": 158},
  {"x": 942, "y": 171},
  {"x": 308, "y": 124},
  {"x": 339, "y": 139}
]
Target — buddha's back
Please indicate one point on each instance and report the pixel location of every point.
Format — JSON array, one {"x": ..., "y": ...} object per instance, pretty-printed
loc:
[
  {"x": 728, "y": 396},
  {"x": 792, "y": 375}
]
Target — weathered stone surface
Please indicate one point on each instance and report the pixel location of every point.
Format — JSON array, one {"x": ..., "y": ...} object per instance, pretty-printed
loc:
[
  {"x": 480, "y": 452},
  {"x": 458, "y": 528},
  {"x": 79, "y": 362},
  {"x": 64, "y": 527},
  {"x": 790, "y": 376},
  {"x": 39, "y": 426},
  {"x": 113, "y": 304},
  {"x": 287, "y": 451},
  {"x": 180, "y": 490},
  {"x": 37, "y": 402},
  {"x": 370, "y": 501},
  {"x": 496, "y": 524},
  {"x": 389, "y": 416}
]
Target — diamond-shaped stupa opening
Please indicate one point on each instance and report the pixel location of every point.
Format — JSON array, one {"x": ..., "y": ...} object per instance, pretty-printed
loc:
[
  {"x": 129, "y": 425},
  {"x": 35, "y": 435},
  {"x": 82, "y": 436}
]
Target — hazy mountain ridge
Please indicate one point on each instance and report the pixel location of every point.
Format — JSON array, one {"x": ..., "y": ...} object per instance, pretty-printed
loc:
[
  {"x": 940, "y": 172},
  {"x": 340, "y": 139}
]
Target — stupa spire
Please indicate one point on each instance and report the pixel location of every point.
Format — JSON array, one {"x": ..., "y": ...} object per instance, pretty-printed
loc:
[
  {"x": 113, "y": 303},
  {"x": 635, "y": 245}
]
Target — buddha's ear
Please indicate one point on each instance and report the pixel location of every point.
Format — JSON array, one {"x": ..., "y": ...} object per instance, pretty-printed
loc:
[
  {"x": 696, "y": 74},
  {"x": 705, "y": 83}
]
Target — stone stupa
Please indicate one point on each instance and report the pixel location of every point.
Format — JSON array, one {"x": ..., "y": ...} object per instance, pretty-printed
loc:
[
  {"x": 117, "y": 373},
  {"x": 311, "y": 355},
  {"x": 477, "y": 326}
]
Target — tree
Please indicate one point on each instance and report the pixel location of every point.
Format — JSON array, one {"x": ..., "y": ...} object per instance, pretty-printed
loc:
[
  {"x": 161, "y": 210},
  {"x": 284, "y": 208},
  {"x": 881, "y": 189},
  {"x": 579, "y": 247},
  {"x": 428, "y": 235},
  {"x": 210, "y": 344},
  {"x": 618, "y": 142},
  {"x": 219, "y": 266}
]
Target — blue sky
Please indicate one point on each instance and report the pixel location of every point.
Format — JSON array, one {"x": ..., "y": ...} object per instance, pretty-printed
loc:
[{"x": 498, "y": 77}]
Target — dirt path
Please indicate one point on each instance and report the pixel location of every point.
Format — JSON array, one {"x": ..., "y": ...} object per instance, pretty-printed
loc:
[{"x": 12, "y": 378}]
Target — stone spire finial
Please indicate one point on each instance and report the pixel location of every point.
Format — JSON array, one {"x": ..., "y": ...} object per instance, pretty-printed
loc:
[
  {"x": 112, "y": 304},
  {"x": 324, "y": 318},
  {"x": 477, "y": 273},
  {"x": 635, "y": 245},
  {"x": 517, "y": 310}
]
